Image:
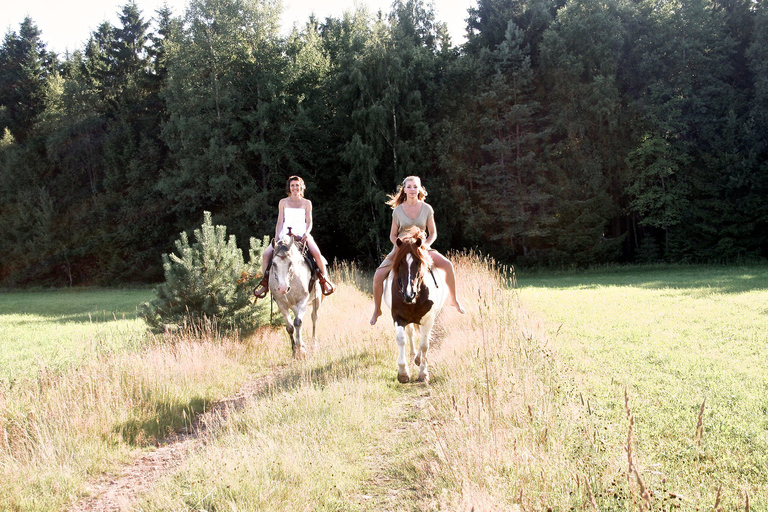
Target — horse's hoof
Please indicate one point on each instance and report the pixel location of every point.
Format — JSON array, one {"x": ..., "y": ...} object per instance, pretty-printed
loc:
[
  {"x": 403, "y": 378},
  {"x": 424, "y": 377}
]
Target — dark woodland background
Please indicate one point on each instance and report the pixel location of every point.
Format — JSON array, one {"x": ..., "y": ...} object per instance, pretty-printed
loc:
[{"x": 563, "y": 132}]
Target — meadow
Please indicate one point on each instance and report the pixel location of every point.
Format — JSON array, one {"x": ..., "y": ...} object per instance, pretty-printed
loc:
[
  {"x": 53, "y": 329},
  {"x": 620, "y": 389},
  {"x": 686, "y": 346}
]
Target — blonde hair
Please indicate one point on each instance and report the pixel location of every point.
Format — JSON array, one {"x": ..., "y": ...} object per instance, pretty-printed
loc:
[{"x": 400, "y": 196}]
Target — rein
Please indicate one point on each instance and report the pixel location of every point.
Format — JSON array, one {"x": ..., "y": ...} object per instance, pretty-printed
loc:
[{"x": 433, "y": 278}]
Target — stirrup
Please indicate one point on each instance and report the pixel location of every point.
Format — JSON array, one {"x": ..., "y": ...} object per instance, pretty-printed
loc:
[
  {"x": 326, "y": 286},
  {"x": 261, "y": 290}
]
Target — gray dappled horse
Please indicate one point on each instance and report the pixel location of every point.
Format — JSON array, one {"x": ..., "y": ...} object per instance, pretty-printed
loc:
[
  {"x": 294, "y": 289},
  {"x": 415, "y": 292}
]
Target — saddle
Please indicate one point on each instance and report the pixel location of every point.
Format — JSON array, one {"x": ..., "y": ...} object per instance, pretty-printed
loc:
[
  {"x": 301, "y": 244},
  {"x": 326, "y": 288}
]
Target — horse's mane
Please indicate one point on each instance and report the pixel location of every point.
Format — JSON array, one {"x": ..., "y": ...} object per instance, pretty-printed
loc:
[{"x": 409, "y": 246}]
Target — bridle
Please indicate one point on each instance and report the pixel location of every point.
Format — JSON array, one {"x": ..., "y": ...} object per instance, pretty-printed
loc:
[
  {"x": 284, "y": 254},
  {"x": 401, "y": 288},
  {"x": 414, "y": 259}
]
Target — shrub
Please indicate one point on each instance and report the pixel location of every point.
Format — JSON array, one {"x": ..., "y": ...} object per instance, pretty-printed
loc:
[{"x": 208, "y": 280}]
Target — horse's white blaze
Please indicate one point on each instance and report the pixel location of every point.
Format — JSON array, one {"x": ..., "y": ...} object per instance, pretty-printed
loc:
[{"x": 409, "y": 292}]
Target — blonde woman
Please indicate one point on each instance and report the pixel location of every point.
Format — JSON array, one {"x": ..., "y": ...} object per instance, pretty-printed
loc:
[
  {"x": 294, "y": 213},
  {"x": 410, "y": 210}
]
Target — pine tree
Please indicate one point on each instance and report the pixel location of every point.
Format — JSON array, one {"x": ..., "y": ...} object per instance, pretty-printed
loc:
[
  {"x": 24, "y": 67},
  {"x": 208, "y": 279}
]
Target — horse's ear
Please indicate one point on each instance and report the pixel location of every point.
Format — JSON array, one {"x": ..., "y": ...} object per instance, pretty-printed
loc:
[
  {"x": 399, "y": 242},
  {"x": 419, "y": 241}
]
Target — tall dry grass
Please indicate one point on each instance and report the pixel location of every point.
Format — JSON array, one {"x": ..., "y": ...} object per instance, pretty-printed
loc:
[
  {"x": 503, "y": 415},
  {"x": 500, "y": 426},
  {"x": 60, "y": 429}
]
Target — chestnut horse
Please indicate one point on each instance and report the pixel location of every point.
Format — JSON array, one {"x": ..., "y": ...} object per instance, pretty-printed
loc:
[
  {"x": 415, "y": 292},
  {"x": 293, "y": 288}
]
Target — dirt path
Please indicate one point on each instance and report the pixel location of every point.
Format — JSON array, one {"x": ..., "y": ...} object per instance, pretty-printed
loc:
[{"x": 115, "y": 492}]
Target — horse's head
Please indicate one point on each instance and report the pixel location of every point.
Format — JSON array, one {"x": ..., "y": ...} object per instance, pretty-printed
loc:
[
  {"x": 283, "y": 264},
  {"x": 409, "y": 263}
]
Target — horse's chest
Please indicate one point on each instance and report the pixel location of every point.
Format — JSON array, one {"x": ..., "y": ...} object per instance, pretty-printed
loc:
[{"x": 404, "y": 313}]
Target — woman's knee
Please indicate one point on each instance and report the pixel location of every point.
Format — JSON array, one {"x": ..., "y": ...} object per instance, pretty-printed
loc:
[
  {"x": 379, "y": 275},
  {"x": 441, "y": 261}
]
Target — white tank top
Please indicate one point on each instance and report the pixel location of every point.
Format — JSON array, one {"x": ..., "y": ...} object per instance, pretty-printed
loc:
[{"x": 296, "y": 219}]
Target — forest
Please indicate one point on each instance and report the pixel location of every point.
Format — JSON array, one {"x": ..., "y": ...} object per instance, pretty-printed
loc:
[{"x": 560, "y": 133}]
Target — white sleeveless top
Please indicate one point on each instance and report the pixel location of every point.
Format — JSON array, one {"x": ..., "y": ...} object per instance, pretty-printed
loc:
[{"x": 296, "y": 219}]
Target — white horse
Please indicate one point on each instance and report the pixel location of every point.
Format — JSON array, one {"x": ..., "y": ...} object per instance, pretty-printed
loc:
[
  {"x": 415, "y": 292},
  {"x": 294, "y": 289}
]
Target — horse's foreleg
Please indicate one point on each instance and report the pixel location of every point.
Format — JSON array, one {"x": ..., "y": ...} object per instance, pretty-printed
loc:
[
  {"x": 288, "y": 325},
  {"x": 403, "y": 373},
  {"x": 416, "y": 356},
  {"x": 410, "y": 335},
  {"x": 315, "y": 312},
  {"x": 421, "y": 359},
  {"x": 298, "y": 313},
  {"x": 298, "y": 345}
]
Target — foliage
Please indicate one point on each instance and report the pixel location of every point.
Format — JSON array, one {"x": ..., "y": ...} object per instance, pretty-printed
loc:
[
  {"x": 563, "y": 132},
  {"x": 208, "y": 279}
]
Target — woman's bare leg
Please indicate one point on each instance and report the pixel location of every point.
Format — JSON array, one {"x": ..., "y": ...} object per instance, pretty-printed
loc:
[
  {"x": 378, "y": 289},
  {"x": 445, "y": 264},
  {"x": 266, "y": 257},
  {"x": 315, "y": 252},
  {"x": 326, "y": 285}
]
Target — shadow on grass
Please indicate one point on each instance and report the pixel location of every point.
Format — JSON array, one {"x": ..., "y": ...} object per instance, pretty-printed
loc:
[
  {"x": 169, "y": 417},
  {"x": 174, "y": 421}
]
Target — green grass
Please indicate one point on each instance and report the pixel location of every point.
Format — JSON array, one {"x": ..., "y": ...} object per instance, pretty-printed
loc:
[
  {"x": 673, "y": 337},
  {"x": 54, "y": 329}
]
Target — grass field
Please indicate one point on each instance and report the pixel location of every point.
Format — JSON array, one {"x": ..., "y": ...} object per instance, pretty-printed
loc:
[
  {"x": 526, "y": 408},
  {"x": 673, "y": 338},
  {"x": 55, "y": 328}
]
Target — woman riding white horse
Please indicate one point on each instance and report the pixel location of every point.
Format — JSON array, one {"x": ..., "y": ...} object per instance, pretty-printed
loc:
[
  {"x": 294, "y": 290},
  {"x": 294, "y": 215}
]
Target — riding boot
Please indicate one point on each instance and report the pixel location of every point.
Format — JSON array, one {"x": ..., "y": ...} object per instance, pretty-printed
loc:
[
  {"x": 261, "y": 290},
  {"x": 326, "y": 286}
]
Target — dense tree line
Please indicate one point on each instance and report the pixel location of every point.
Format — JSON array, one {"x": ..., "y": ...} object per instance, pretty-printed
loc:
[{"x": 561, "y": 132}]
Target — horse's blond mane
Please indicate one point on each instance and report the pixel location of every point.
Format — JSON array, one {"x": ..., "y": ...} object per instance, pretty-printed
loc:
[{"x": 409, "y": 246}]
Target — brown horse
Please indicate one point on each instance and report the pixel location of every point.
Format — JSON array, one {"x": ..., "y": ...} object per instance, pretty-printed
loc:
[{"x": 415, "y": 292}]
